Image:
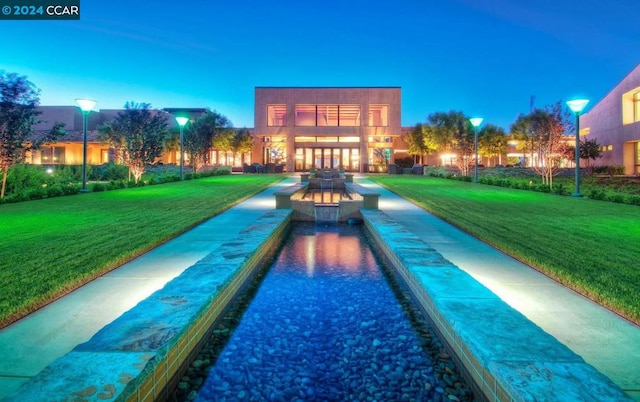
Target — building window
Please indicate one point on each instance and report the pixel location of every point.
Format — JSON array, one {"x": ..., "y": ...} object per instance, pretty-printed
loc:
[
  {"x": 327, "y": 115},
  {"x": 52, "y": 155},
  {"x": 631, "y": 106},
  {"x": 276, "y": 115},
  {"x": 378, "y": 115},
  {"x": 349, "y": 115},
  {"x": 305, "y": 115}
]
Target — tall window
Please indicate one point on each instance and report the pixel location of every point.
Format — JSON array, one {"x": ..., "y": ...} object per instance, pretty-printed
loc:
[
  {"x": 378, "y": 115},
  {"x": 276, "y": 115},
  {"x": 636, "y": 106}
]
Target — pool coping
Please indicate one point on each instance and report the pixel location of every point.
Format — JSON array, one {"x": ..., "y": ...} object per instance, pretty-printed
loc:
[
  {"x": 140, "y": 355},
  {"x": 504, "y": 355}
]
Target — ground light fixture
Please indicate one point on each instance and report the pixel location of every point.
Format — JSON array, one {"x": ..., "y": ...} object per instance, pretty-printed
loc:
[
  {"x": 577, "y": 105},
  {"x": 475, "y": 122},
  {"x": 181, "y": 122},
  {"x": 85, "y": 105}
]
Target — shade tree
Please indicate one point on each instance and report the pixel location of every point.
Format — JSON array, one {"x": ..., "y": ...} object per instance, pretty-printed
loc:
[
  {"x": 19, "y": 100},
  {"x": 137, "y": 135}
]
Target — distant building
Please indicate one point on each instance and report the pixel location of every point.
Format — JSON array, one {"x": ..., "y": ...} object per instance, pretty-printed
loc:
[
  {"x": 329, "y": 127},
  {"x": 615, "y": 123}
]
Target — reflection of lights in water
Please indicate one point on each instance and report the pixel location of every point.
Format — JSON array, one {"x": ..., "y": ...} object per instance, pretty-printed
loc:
[{"x": 310, "y": 254}]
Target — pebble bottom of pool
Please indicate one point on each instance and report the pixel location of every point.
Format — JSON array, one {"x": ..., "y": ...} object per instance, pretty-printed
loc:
[{"x": 324, "y": 325}]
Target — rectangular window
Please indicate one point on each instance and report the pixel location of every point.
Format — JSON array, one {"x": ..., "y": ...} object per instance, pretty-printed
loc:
[
  {"x": 327, "y": 115},
  {"x": 52, "y": 155},
  {"x": 327, "y": 139},
  {"x": 349, "y": 115},
  {"x": 349, "y": 139},
  {"x": 276, "y": 115},
  {"x": 305, "y": 115},
  {"x": 378, "y": 115},
  {"x": 300, "y": 138},
  {"x": 636, "y": 107}
]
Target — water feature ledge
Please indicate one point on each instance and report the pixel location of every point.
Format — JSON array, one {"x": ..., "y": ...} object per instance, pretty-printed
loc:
[
  {"x": 506, "y": 356},
  {"x": 139, "y": 356}
]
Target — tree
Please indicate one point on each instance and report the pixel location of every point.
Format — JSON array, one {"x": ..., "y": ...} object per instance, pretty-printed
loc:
[
  {"x": 200, "y": 137},
  {"x": 417, "y": 143},
  {"x": 137, "y": 134},
  {"x": 19, "y": 100},
  {"x": 242, "y": 142},
  {"x": 492, "y": 142},
  {"x": 453, "y": 131},
  {"x": 589, "y": 149},
  {"x": 543, "y": 132}
]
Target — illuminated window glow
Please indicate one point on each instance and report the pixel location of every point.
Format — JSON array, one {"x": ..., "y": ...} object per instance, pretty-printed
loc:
[
  {"x": 631, "y": 106},
  {"x": 378, "y": 115},
  {"x": 276, "y": 115},
  {"x": 327, "y": 115}
]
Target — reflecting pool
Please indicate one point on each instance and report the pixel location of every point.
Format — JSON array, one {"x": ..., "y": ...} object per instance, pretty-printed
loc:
[{"x": 325, "y": 325}]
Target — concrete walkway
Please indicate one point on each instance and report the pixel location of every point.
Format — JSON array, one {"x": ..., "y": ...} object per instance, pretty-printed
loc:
[
  {"x": 31, "y": 344},
  {"x": 603, "y": 339}
]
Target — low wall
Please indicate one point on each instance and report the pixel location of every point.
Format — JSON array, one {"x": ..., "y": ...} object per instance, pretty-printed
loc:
[
  {"x": 142, "y": 354},
  {"x": 504, "y": 355}
]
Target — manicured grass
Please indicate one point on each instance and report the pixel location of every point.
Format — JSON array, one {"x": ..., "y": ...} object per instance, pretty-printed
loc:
[
  {"x": 50, "y": 247},
  {"x": 591, "y": 246}
]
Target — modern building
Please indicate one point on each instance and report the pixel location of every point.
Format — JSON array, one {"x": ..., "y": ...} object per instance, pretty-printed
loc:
[
  {"x": 331, "y": 127},
  {"x": 615, "y": 123},
  {"x": 68, "y": 149}
]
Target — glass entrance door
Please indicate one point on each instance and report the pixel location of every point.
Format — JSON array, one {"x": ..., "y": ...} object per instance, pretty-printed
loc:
[{"x": 327, "y": 158}]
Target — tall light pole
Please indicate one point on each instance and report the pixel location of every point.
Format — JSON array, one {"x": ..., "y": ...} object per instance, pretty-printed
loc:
[
  {"x": 181, "y": 122},
  {"x": 577, "y": 105},
  {"x": 85, "y": 105},
  {"x": 475, "y": 122}
]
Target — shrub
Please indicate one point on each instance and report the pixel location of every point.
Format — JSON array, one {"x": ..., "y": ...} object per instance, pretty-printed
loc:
[
  {"x": 55, "y": 190},
  {"x": 619, "y": 198},
  {"x": 36, "y": 193},
  {"x": 597, "y": 194},
  {"x": 223, "y": 170},
  {"x": 98, "y": 187}
]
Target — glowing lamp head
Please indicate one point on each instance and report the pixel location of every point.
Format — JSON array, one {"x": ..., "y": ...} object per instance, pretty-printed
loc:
[
  {"x": 476, "y": 121},
  {"x": 86, "y": 104},
  {"x": 182, "y": 121},
  {"x": 577, "y": 105}
]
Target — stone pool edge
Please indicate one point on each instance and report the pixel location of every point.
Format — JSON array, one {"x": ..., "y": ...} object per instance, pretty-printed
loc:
[
  {"x": 138, "y": 356},
  {"x": 504, "y": 356}
]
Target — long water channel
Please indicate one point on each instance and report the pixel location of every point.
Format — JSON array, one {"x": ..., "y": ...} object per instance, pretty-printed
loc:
[{"x": 326, "y": 323}]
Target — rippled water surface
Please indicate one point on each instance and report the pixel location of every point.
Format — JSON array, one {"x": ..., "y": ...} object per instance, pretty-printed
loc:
[{"x": 324, "y": 325}]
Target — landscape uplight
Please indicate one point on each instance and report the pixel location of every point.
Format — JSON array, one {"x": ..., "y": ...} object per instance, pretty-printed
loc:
[
  {"x": 577, "y": 106},
  {"x": 85, "y": 105},
  {"x": 181, "y": 122},
  {"x": 475, "y": 122}
]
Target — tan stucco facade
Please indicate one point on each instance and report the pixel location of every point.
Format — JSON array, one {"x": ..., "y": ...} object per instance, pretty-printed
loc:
[
  {"x": 615, "y": 123},
  {"x": 367, "y": 119}
]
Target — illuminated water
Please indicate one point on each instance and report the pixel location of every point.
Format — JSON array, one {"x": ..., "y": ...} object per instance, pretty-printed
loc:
[{"x": 325, "y": 325}]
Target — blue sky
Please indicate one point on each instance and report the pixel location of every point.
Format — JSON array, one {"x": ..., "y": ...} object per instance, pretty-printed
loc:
[{"x": 483, "y": 57}]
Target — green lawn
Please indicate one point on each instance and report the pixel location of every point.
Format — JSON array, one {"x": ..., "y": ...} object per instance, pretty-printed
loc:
[
  {"x": 52, "y": 246},
  {"x": 591, "y": 246}
]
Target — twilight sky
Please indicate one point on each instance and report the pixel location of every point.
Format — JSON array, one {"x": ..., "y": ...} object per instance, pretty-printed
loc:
[{"x": 483, "y": 57}]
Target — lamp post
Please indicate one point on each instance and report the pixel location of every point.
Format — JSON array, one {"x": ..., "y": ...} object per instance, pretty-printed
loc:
[
  {"x": 577, "y": 105},
  {"x": 85, "y": 105},
  {"x": 181, "y": 122},
  {"x": 475, "y": 122}
]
